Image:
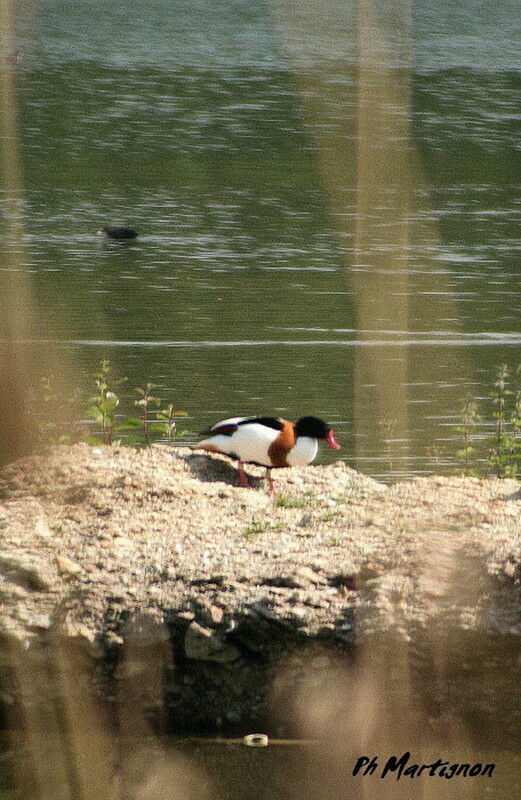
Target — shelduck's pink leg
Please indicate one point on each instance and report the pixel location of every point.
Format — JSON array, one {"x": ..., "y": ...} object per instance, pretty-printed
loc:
[
  {"x": 272, "y": 488},
  {"x": 242, "y": 476}
]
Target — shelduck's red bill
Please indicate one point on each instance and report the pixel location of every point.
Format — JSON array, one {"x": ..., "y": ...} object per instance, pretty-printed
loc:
[{"x": 331, "y": 441}]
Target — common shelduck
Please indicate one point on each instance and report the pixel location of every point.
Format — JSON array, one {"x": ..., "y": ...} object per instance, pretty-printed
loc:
[
  {"x": 120, "y": 234},
  {"x": 268, "y": 441}
]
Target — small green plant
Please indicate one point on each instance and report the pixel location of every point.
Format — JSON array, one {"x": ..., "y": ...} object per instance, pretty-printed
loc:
[
  {"x": 277, "y": 527},
  {"x": 504, "y": 445},
  {"x": 102, "y": 407},
  {"x": 333, "y": 541},
  {"x": 255, "y": 528},
  {"x": 287, "y": 501},
  {"x": 146, "y": 399},
  {"x": 515, "y": 422},
  {"x": 58, "y": 412},
  {"x": 50, "y": 401},
  {"x": 329, "y": 516},
  {"x": 470, "y": 419},
  {"x": 168, "y": 416},
  {"x": 504, "y": 453}
]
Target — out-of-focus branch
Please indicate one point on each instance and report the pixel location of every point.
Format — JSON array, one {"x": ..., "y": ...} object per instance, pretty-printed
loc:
[{"x": 15, "y": 290}]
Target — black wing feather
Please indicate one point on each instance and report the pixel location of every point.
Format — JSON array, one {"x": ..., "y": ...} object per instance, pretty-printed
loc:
[
  {"x": 229, "y": 428},
  {"x": 226, "y": 430},
  {"x": 269, "y": 422}
]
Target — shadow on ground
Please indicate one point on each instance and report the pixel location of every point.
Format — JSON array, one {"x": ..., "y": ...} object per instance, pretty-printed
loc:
[{"x": 213, "y": 468}]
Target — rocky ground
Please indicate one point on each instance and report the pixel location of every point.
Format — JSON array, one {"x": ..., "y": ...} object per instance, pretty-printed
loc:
[{"x": 94, "y": 539}]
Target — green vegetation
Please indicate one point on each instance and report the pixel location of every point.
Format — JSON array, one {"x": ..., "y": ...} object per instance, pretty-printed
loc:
[
  {"x": 58, "y": 415},
  {"x": 341, "y": 499},
  {"x": 102, "y": 407},
  {"x": 506, "y": 448},
  {"x": 468, "y": 429},
  {"x": 332, "y": 541},
  {"x": 169, "y": 425},
  {"x": 287, "y": 501},
  {"x": 329, "y": 516},
  {"x": 145, "y": 400},
  {"x": 261, "y": 526},
  {"x": 503, "y": 444},
  {"x": 255, "y": 528},
  {"x": 490, "y": 430},
  {"x": 136, "y": 430}
]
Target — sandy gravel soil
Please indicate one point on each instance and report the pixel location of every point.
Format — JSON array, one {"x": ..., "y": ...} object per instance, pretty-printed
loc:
[
  {"x": 164, "y": 526},
  {"x": 92, "y": 536}
]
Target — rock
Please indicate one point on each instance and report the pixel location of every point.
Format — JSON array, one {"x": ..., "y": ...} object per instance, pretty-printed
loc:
[
  {"x": 208, "y": 613},
  {"x": 27, "y": 571},
  {"x": 284, "y": 581},
  {"x": 306, "y": 575},
  {"x": 79, "y": 631},
  {"x": 169, "y": 574},
  {"x": 511, "y": 569},
  {"x": 275, "y": 617},
  {"x": 348, "y": 576},
  {"x": 186, "y": 615},
  {"x": 299, "y": 616},
  {"x": 368, "y": 571},
  {"x": 35, "y": 621},
  {"x": 67, "y": 568},
  {"x": 204, "y": 644},
  {"x": 299, "y": 578}
]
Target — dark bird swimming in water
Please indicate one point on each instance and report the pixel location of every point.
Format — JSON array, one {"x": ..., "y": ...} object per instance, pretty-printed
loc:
[{"x": 120, "y": 234}]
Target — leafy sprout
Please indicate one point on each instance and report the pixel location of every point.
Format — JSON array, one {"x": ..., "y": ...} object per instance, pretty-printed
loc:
[
  {"x": 146, "y": 399},
  {"x": 102, "y": 406},
  {"x": 168, "y": 416}
]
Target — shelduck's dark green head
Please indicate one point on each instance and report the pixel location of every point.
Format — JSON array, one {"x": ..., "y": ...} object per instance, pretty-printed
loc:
[{"x": 316, "y": 428}]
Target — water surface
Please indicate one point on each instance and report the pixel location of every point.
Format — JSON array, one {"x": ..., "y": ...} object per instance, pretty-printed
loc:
[{"x": 314, "y": 238}]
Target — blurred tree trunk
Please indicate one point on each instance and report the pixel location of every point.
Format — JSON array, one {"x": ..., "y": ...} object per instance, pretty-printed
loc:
[
  {"x": 357, "y": 107},
  {"x": 15, "y": 291}
]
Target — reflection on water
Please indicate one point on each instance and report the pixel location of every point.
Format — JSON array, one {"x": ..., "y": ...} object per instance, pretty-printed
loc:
[
  {"x": 292, "y": 770},
  {"x": 290, "y": 181},
  {"x": 447, "y": 697},
  {"x": 441, "y": 692},
  {"x": 297, "y": 770}
]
